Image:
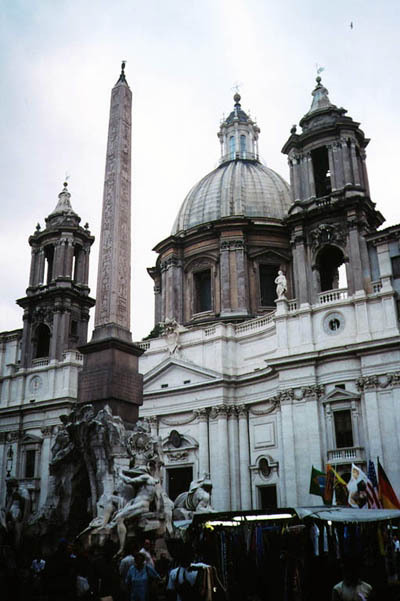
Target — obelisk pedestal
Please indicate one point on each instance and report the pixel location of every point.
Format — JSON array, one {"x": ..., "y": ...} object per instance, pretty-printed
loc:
[{"x": 110, "y": 371}]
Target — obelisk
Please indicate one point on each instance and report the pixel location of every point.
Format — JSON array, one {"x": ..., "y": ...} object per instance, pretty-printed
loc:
[{"x": 110, "y": 371}]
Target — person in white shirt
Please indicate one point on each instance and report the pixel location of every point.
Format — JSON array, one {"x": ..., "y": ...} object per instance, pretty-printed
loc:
[
  {"x": 178, "y": 576},
  {"x": 351, "y": 588}
]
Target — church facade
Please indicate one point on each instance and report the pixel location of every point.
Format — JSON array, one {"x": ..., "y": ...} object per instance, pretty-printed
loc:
[{"x": 276, "y": 344}]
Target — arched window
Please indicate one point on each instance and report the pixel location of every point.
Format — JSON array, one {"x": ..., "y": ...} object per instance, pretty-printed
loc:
[
  {"x": 331, "y": 267},
  {"x": 232, "y": 147},
  {"x": 42, "y": 341},
  {"x": 48, "y": 265},
  {"x": 243, "y": 145},
  {"x": 322, "y": 174}
]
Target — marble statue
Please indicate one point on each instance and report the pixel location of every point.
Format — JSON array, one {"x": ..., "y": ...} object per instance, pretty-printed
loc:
[
  {"x": 281, "y": 285},
  {"x": 196, "y": 500},
  {"x": 120, "y": 469},
  {"x": 146, "y": 493},
  {"x": 17, "y": 510},
  {"x": 172, "y": 330}
]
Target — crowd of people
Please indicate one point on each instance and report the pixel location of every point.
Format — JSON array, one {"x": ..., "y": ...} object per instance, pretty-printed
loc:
[
  {"x": 73, "y": 573},
  {"x": 77, "y": 574}
]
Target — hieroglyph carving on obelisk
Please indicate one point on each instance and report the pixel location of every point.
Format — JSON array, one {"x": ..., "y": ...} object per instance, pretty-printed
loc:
[{"x": 114, "y": 270}]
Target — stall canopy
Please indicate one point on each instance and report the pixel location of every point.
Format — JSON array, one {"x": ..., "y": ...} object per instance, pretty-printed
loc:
[{"x": 347, "y": 514}]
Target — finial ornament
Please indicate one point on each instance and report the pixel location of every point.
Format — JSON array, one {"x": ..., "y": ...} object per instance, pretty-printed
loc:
[{"x": 122, "y": 75}]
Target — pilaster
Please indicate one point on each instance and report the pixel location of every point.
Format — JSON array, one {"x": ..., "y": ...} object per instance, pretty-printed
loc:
[{"x": 244, "y": 459}]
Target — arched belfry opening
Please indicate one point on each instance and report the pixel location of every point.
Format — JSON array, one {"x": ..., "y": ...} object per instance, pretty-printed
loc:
[
  {"x": 331, "y": 268},
  {"x": 43, "y": 336},
  {"x": 322, "y": 174}
]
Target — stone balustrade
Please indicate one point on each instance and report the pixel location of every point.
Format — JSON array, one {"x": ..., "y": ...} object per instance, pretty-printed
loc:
[
  {"x": 331, "y": 296},
  {"x": 346, "y": 455}
]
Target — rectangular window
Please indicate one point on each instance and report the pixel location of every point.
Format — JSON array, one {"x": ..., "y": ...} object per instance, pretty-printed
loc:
[
  {"x": 30, "y": 459},
  {"x": 322, "y": 176},
  {"x": 343, "y": 429},
  {"x": 396, "y": 267},
  {"x": 268, "y": 274},
  {"x": 178, "y": 480},
  {"x": 267, "y": 497},
  {"x": 202, "y": 291}
]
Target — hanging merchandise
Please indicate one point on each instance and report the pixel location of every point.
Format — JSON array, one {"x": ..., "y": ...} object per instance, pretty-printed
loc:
[{"x": 294, "y": 554}]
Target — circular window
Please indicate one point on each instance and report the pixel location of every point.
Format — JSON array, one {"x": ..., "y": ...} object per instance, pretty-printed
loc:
[
  {"x": 334, "y": 323},
  {"x": 175, "y": 439},
  {"x": 264, "y": 467}
]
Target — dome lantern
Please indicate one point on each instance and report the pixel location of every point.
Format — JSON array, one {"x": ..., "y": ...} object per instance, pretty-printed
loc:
[{"x": 238, "y": 135}]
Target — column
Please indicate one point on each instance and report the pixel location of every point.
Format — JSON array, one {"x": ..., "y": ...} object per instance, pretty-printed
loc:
[
  {"x": 225, "y": 278},
  {"x": 234, "y": 458},
  {"x": 204, "y": 458},
  {"x": 374, "y": 437},
  {"x": 289, "y": 453},
  {"x": 69, "y": 255},
  {"x": 299, "y": 250},
  {"x": 306, "y": 193},
  {"x": 85, "y": 278},
  {"x": 346, "y": 158},
  {"x": 54, "y": 333},
  {"x": 354, "y": 164},
  {"x": 45, "y": 454},
  {"x": 329, "y": 427},
  {"x": 338, "y": 162},
  {"x": 364, "y": 172},
  {"x": 32, "y": 274},
  {"x": 332, "y": 167},
  {"x": 222, "y": 498},
  {"x": 40, "y": 270},
  {"x": 241, "y": 276},
  {"x": 157, "y": 304},
  {"x": 296, "y": 178},
  {"x": 244, "y": 459},
  {"x": 355, "y": 253},
  {"x": 310, "y": 170}
]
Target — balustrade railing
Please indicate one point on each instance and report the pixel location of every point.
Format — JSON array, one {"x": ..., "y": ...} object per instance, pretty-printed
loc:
[
  {"x": 330, "y": 296},
  {"x": 376, "y": 286},
  {"x": 255, "y": 324},
  {"x": 346, "y": 455}
]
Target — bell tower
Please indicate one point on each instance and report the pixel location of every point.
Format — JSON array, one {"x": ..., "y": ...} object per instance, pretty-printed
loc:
[
  {"x": 56, "y": 305},
  {"x": 332, "y": 211}
]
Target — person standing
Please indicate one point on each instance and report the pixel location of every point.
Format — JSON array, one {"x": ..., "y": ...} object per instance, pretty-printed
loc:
[
  {"x": 351, "y": 588},
  {"x": 139, "y": 578}
]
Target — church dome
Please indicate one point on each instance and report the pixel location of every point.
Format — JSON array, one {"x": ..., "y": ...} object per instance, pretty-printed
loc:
[
  {"x": 238, "y": 187},
  {"x": 241, "y": 185}
]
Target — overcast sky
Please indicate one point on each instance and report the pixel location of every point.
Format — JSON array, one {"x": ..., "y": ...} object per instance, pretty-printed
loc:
[{"x": 59, "y": 60}]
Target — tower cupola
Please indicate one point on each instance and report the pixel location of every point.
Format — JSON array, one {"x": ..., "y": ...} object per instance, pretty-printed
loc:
[
  {"x": 238, "y": 135},
  {"x": 56, "y": 305},
  {"x": 327, "y": 158}
]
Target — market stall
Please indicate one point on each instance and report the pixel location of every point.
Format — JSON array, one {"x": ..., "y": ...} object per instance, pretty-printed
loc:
[{"x": 294, "y": 554}]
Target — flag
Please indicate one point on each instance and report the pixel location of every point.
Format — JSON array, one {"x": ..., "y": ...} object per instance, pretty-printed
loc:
[
  {"x": 340, "y": 488},
  {"x": 360, "y": 489},
  {"x": 372, "y": 488},
  {"x": 330, "y": 481},
  {"x": 387, "y": 495},
  {"x": 317, "y": 482}
]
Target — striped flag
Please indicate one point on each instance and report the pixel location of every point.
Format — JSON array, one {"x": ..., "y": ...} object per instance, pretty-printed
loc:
[
  {"x": 372, "y": 488},
  {"x": 386, "y": 493},
  {"x": 361, "y": 490}
]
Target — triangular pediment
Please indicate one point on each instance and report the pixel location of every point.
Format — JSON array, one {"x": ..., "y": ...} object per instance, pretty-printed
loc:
[
  {"x": 30, "y": 439},
  {"x": 339, "y": 394},
  {"x": 175, "y": 373}
]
